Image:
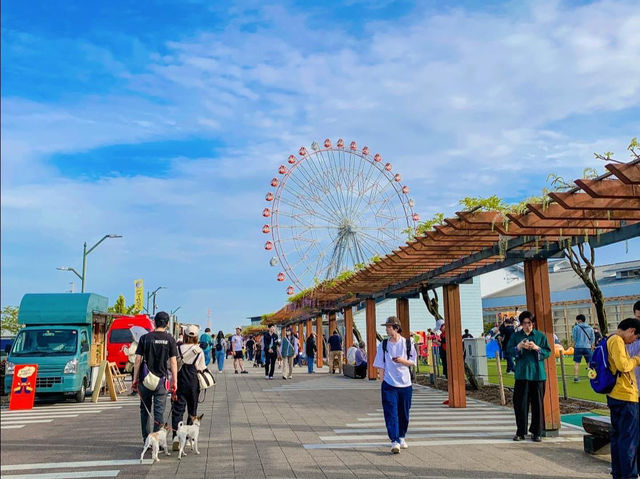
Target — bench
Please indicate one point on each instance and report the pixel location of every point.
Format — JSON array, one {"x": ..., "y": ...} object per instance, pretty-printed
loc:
[
  {"x": 598, "y": 429},
  {"x": 349, "y": 370}
]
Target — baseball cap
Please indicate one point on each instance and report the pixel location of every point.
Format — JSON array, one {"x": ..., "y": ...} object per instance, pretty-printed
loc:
[{"x": 192, "y": 330}]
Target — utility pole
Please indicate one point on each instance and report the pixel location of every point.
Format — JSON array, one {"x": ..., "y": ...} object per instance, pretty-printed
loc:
[{"x": 85, "y": 252}]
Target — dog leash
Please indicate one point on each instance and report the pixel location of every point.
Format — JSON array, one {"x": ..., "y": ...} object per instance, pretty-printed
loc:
[{"x": 151, "y": 415}]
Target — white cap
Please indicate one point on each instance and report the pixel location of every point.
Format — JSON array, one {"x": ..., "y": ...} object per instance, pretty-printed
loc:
[{"x": 192, "y": 330}]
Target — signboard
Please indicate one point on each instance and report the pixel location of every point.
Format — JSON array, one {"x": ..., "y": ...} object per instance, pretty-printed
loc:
[
  {"x": 23, "y": 387},
  {"x": 139, "y": 285}
]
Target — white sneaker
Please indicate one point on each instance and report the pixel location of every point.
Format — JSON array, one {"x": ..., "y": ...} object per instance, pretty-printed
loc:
[
  {"x": 403, "y": 444},
  {"x": 266, "y": 376},
  {"x": 395, "y": 447}
]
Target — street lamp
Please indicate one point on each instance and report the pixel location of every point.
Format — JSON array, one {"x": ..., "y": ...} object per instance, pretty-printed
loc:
[
  {"x": 85, "y": 252},
  {"x": 153, "y": 293}
]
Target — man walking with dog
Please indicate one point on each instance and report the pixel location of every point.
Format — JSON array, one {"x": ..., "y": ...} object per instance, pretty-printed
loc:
[
  {"x": 155, "y": 351},
  {"x": 394, "y": 358}
]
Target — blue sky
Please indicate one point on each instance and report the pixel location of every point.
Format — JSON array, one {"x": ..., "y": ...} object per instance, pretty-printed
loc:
[{"x": 164, "y": 122}]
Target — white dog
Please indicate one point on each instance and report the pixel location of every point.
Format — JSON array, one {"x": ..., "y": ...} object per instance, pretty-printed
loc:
[
  {"x": 155, "y": 441},
  {"x": 189, "y": 432}
]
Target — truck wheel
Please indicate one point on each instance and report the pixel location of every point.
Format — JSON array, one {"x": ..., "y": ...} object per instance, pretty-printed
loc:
[{"x": 80, "y": 395}]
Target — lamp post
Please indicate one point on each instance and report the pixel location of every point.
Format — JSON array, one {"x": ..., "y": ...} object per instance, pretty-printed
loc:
[
  {"x": 85, "y": 252},
  {"x": 153, "y": 293}
]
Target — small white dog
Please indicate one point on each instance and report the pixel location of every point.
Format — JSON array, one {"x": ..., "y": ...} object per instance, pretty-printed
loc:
[
  {"x": 155, "y": 441},
  {"x": 189, "y": 432}
]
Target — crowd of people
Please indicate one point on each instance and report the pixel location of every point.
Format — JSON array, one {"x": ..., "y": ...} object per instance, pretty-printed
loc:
[{"x": 163, "y": 365}]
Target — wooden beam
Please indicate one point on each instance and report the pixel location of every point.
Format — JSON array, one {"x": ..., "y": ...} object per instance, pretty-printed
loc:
[
  {"x": 536, "y": 281},
  {"x": 628, "y": 173},
  {"x": 300, "y": 335},
  {"x": 332, "y": 323},
  {"x": 555, "y": 211},
  {"x": 580, "y": 201},
  {"x": 372, "y": 343},
  {"x": 348, "y": 328},
  {"x": 402, "y": 311},
  {"x": 319, "y": 361},
  {"x": 455, "y": 359},
  {"x": 309, "y": 327},
  {"x": 608, "y": 189}
]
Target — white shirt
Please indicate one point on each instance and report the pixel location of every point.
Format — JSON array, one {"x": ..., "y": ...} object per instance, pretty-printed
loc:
[
  {"x": 236, "y": 342},
  {"x": 351, "y": 355},
  {"x": 439, "y": 323},
  {"x": 395, "y": 374}
]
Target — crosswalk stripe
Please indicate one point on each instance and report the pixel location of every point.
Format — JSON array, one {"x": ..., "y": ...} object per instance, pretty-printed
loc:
[
  {"x": 70, "y": 465},
  {"x": 445, "y": 416},
  {"x": 47, "y": 414},
  {"x": 13, "y": 426},
  {"x": 28, "y": 421},
  {"x": 434, "y": 428},
  {"x": 430, "y": 423},
  {"x": 67, "y": 475},
  {"x": 410, "y": 435},
  {"x": 435, "y": 443}
]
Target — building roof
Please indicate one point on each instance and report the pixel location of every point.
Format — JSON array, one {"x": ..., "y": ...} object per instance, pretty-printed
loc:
[{"x": 566, "y": 279}]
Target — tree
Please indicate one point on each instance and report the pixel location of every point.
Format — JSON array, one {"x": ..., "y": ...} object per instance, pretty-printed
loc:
[
  {"x": 10, "y": 319},
  {"x": 120, "y": 307}
]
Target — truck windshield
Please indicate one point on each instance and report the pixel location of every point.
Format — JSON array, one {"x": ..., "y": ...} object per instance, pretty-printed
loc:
[
  {"x": 45, "y": 342},
  {"x": 121, "y": 336}
]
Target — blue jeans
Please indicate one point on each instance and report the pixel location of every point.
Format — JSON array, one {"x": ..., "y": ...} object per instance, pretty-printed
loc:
[
  {"x": 624, "y": 438},
  {"x": 396, "y": 403},
  {"x": 159, "y": 398},
  {"x": 207, "y": 356},
  {"x": 510, "y": 365},
  {"x": 310, "y": 364},
  {"x": 220, "y": 359}
]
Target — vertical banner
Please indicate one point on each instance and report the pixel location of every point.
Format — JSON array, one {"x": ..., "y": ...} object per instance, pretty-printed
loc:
[
  {"x": 23, "y": 387},
  {"x": 139, "y": 295}
]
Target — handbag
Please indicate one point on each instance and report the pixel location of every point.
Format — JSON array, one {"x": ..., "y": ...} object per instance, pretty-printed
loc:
[
  {"x": 206, "y": 379},
  {"x": 150, "y": 380}
]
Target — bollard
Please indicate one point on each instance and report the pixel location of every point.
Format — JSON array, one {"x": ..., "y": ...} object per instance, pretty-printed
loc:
[
  {"x": 503, "y": 400},
  {"x": 564, "y": 378}
]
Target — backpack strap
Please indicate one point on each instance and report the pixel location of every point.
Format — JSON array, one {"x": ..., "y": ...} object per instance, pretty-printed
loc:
[
  {"x": 384, "y": 350},
  {"x": 408, "y": 341}
]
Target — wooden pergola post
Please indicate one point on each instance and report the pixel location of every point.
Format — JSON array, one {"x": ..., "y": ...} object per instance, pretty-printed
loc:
[
  {"x": 319, "y": 361},
  {"x": 402, "y": 312},
  {"x": 455, "y": 359},
  {"x": 372, "y": 344},
  {"x": 348, "y": 328},
  {"x": 300, "y": 335},
  {"x": 309, "y": 327},
  {"x": 536, "y": 282},
  {"x": 332, "y": 323}
]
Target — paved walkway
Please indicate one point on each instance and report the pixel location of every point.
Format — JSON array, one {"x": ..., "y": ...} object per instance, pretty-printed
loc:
[{"x": 317, "y": 425}]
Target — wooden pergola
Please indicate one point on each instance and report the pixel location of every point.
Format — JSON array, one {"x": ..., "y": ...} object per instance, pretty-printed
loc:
[{"x": 598, "y": 211}]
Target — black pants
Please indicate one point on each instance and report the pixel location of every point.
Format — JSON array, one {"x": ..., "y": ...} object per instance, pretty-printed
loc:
[
  {"x": 187, "y": 399},
  {"x": 361, "y": 370},
  {"x": 269, "y": 363},
  {"x": 527, "y": 393},
  {"x": 443, "y": 359}
]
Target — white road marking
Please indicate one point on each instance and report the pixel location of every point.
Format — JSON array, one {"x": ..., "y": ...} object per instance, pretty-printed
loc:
[
  {"x": 67, "y": 475},
  {"x": 381, "y": 422},
  {"x": 27, "y": 421},
  {"x": 459, "y": 442},
  {"x": 70, "y": 465},
  {"x": 48, "y": 416},
  {"x": 410, "y": 435},
  {"x": 434, "y": 428},
  {"x": 12, "y": 427},
  {"x": 48, "y": 413}
]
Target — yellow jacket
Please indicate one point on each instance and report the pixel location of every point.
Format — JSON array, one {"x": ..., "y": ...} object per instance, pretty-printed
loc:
[{"x": 626, "y": 388}]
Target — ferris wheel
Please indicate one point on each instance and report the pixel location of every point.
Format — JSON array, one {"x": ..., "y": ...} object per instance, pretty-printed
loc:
[{"x": 332, "y": 208}]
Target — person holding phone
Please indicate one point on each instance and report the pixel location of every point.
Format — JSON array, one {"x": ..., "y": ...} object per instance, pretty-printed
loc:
[
  {"x": 530, "y": 348},
  {"x": 394, "y": 358}
]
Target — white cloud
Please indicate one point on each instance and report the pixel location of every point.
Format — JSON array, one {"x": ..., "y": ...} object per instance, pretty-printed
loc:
[{"x": 487, "y": 99}]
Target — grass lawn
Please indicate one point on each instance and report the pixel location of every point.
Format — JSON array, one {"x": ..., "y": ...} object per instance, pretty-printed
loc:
[{"x": 579, "y": 390}]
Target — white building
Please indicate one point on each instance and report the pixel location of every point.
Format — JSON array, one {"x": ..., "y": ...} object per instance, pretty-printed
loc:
[{"x": 420, "y": 319}]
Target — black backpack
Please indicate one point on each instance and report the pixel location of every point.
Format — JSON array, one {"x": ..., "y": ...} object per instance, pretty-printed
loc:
[
  {"x": 408, "y": 344},
  {"x": 218, "y": 345}
]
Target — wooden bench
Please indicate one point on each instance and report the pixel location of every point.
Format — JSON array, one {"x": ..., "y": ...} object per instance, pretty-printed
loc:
[{"x": 598, "y": 429}]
